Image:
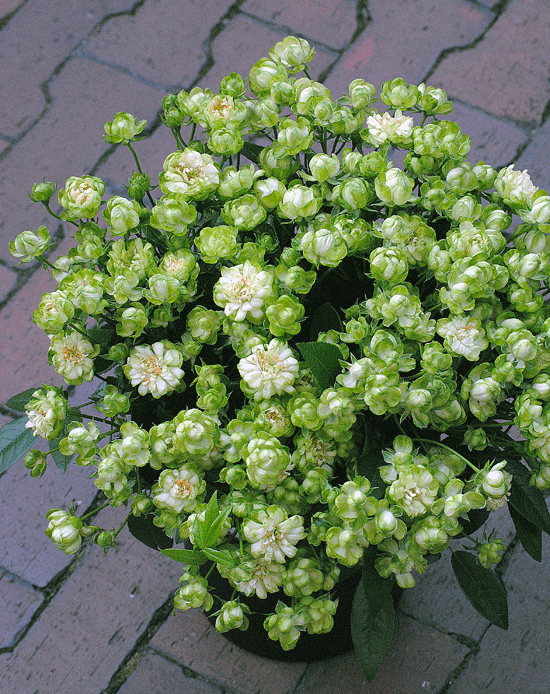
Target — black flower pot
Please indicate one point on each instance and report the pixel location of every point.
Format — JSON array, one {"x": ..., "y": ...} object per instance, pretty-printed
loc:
[{"x": 310, "y": 647}]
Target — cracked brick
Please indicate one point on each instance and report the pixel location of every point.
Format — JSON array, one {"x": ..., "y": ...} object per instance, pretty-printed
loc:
[
  {"x": 404, "y": 39},
  {"x": 35, "y": 41},
  {"x": 507, "y": 72},
  {"x": 331, "y": 22},
  {"x": 163, "y": 42},
  {"x": 19, "y": 603}
]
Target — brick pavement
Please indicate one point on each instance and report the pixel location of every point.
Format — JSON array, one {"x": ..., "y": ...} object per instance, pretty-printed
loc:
[{"x": 75, "y": 624}]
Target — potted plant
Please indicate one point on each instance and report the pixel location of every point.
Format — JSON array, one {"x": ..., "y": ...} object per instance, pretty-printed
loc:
[{"x": 313, "y": 366}]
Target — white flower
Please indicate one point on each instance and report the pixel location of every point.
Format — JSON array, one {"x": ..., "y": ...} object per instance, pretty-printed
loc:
[
  {"x": 154, "y": 369},
  {"x": 414, "y": 490},
  {"x": 464, "y": 336},
  {"x": 385, "y": 127},
  {"x": 177, "y": 490},
  {"x": 190, "y": 174},
  {"x": 242, "y": 290},
  {"x": 72, "y": 357},
  {"x": 264, "y": 578},
  {"x": 269, "y": 369},
  {"x": 273, "y": 535},
  {"x": 515, "y": 187}
]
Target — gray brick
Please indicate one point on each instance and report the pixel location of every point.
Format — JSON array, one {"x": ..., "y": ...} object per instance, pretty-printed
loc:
[
  {"x": 189, "y": 639},
  {"x": 525, "y": 644},
  {"x": 154, "y": 675},
  {"x": 535, "y": 157},
  {"x": 420, "y": 659},
  {"x": 437, "y": 599},
  {"x": 507, "y": 72},
  {"x": 24, "y": 502},
  {"x": 163, "y": 42},
  {"x": 94, "y": 620},
  {"x": 331, "y": 22},
  {"x": 33, "y": 43},
  {"x": 404, "y": 39},
  {"x": 68, "y": 140},
  {"x": 233, "y": 51},
  {"x": 8, "y": 279},
  {"x": 19, "y": 603}
]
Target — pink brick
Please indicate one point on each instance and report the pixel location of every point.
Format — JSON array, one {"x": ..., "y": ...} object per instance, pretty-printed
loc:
[
  {"x": 34, "y": 42},
  {"x": 233, "y": 51},
  {"x": 419, "y": 660},
  {"x": 404, "y": 39},
  {"x": 19, "y": 603},
  {"x": 25, "y": 549},
  {"x": 155, "y": 674},
  {"x": 190, "y": 640},
  {"x": 94, "y": 620},
  {"x": 163, "y": 42},
  {"x": 507, "y": 72},
  {"x": 68, "y": 140},
  {"x": 331, "y": 22}
]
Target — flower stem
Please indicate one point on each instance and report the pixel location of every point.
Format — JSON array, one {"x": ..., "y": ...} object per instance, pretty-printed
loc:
[{"x": 451, "y": 450}]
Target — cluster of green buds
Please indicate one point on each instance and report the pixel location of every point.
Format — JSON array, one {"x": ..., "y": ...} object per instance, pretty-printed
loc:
[{"x": 303, "y": 351}]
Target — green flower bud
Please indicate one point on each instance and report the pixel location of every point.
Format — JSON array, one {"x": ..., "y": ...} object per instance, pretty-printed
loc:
[
  {"x": 433, "y": 101},
  {"x": 138, "y": 186},
  {"x": 300, "y": 201},
  {"x": 189, "y": 174},
  {"x": 264, "y": 74},
  {"x": 395, "y": 93},
  {"x": 394, "y": 187},
  {"x": 172, "y": 214},
  {"x": 232, "y": 616},
  {"x": 119, "y": 353},
  {"x": 30, "y": 244},
  {"x": 269, "y": 192},
  {"x": 284, "y": 316},
  {"x": 232, "y": 85},
  {"x": 279, "y": 167},
  {"x": 122, "y": 215},
  {"x": 42, "y": 192},
  {"x": 489, "y": 553},
  {"x": 217, "y": 242},
  {"x": 361, "y": 94},
  {"x": 245, "y": 212},
  {"x": 224, "y": 141},
  {"x": 292, "y": 52},
  {"x": 123, "y": 128}
]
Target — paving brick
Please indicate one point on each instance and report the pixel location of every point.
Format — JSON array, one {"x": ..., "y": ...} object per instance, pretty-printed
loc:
[
  {"x": 68, "y": 140},
  {"x": 19, "y": 603},
  {"x": 404, "y": 39},
  {"x": 331, "y": 22},
  {"x": 154, "y": 675},
  {"x": 437, "y": 599},
  {"x": 163, "y": 42},
  {"x": 494, "y": 141},
  {"x": 189, "y": 639},
  {"x": 420, "y": 659},
  {"x": 94, "y": 620},
  {"x": 8, "y": 279},
  {"x": 9, "y": 6},
  {"x": 33, "y": 43},
  {"x": 24, "y": 502},
  {"x": 535, "y": 158},
  {"x": 233, "y": 51},
  {"x": 525, "y": 644},
  {"x": 507, "y": 72}
]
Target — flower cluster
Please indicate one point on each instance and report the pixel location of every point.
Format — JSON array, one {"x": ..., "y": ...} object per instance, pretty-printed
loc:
[{"x": 303, "y": 351}]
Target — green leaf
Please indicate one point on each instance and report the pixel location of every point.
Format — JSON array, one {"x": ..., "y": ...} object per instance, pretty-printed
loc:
[
  {"x": 251, "y": 151},
  {"x": 62, "y": 461},
  {"x": 526, "y": 499},
  {"x": 219, "y": 556},
  {"x": 323, "y": 360},
  {"x": 370, "y": 461},
  {"x": 185, "y": 556},
  {"x": 15, "y": 441},
  {"x": 372, "y": 617},
  {"x": 18, "y": 402},
  {"x": 144, "y": 530},
  {"x": 483, "y": 588},
  {"x": 324, "y": 319},
  {"x": 476, "y": 518},
  {"x": 528, "y": 534},
  {"x": 102, "y": 336}
]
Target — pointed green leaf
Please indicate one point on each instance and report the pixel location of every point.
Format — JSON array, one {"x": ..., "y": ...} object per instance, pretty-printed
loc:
[
  {"x": 219, "y": 556},
  {"x": 370, "y": 461},
  {"x": 62, "y": 461},
  {"x": 372, "y": 617},
  {"x": 143, "y": 529},
  {"x": 214, "y": 531},
  {"x": 526, "y": 499},
  {"x": 482, "y": 587},
  {"x": 185, "y": 556},
  {"x": 18, "y": 402},
  {"x": 15, "y": 441},
  {"x": 528, "y": 534},
  {"x": 323, "y": 360}
]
